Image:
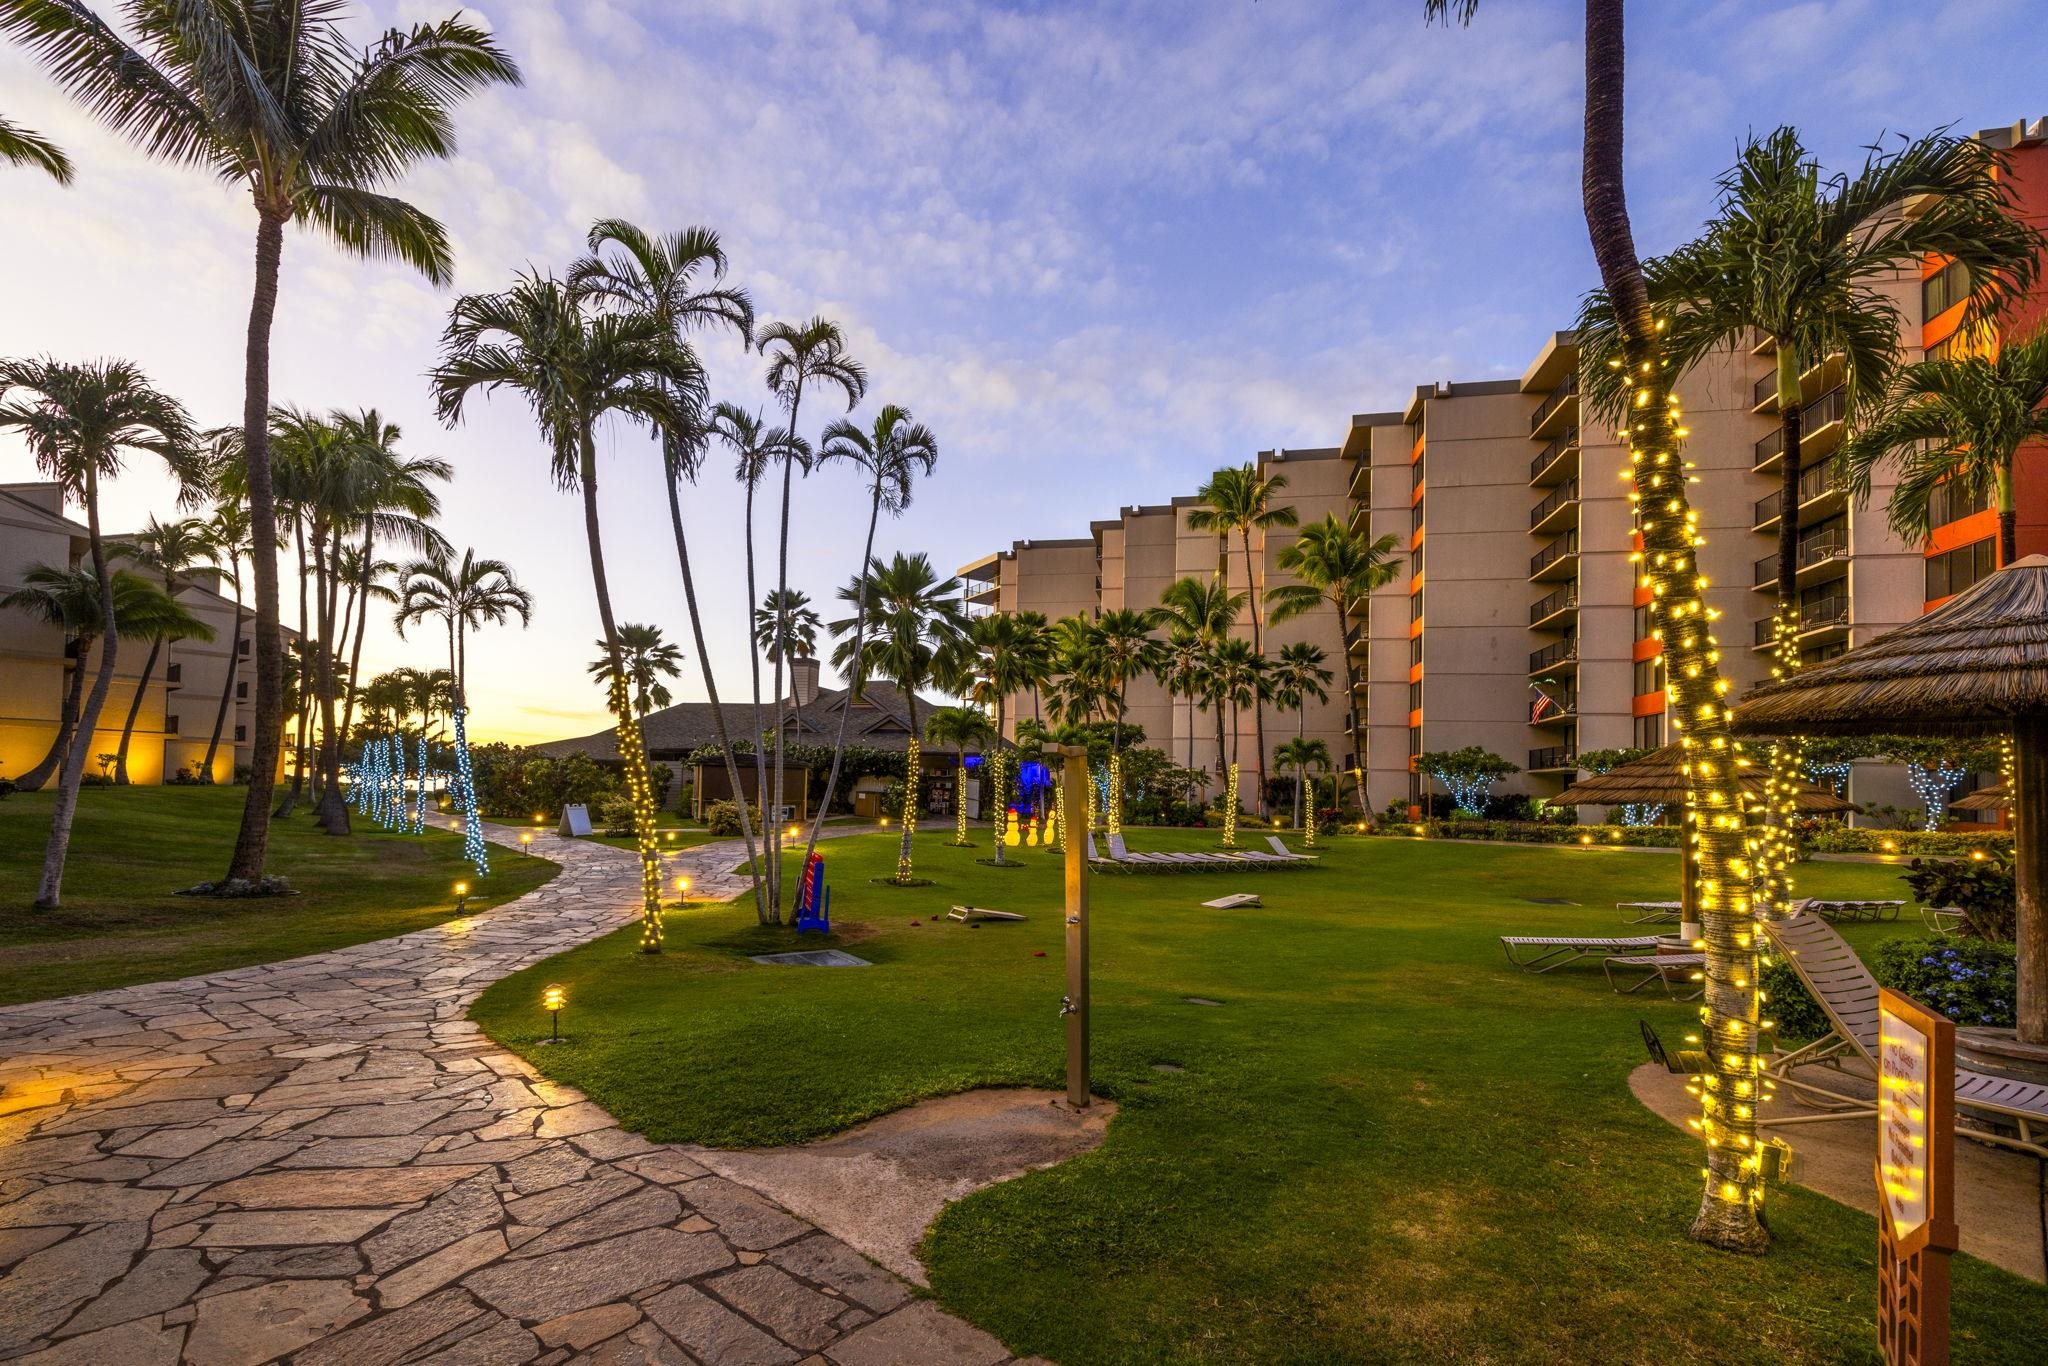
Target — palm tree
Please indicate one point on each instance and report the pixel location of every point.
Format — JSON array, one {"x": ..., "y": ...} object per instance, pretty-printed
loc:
[
  {"x": 1297, "y": 674},
  {"x": 1729, "y": 1205},
  {"x": 575, "y": 371},
  {"x": 273, "y": 98},
  {"x": 21, "y": 146},
  {"x": 786, "y": 626},
  {"x": 1236, "y": 679},
  {"x": 813, "y": 353},
  {"x": 893, "y": 453},
  {"x": 1124, "y": 648},
  {"x": 1956, "y": 425},
  {"x": 648, "y": 659},
  {"x": 1301, "y": 756},
  {"x": 228, "y": 544},
  {"x": 676, "y": 279},
  {"x": 1003, "y": 661},
  {"x": 1199, "y": 613},
  {"x": 77, "y": 420},
  {"x": 1238, "y": 499},
  {"x": 1035, "y": 649},
  {"x": 314, "y": 470},
  {"x": 369, "y": 581},
  {"x": 171, "y": 549},
  {"x": 1334, "y": 565},
  {"x": 755, "y": 446},
  {"x": 921, "y": 639},
  {"x": 962, "y": 729}
]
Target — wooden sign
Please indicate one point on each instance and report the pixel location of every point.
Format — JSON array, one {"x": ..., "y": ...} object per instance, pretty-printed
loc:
[
  {"x": 1074, "y": 1009},
  {"x": 1916, "y": 1139},
  {"x": 575, "y": 820}
]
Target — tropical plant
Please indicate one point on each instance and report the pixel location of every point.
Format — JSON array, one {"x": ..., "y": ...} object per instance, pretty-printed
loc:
[
  {"x": 1297, "y": 674},
  {"x": 271, "y": 96},
  {"x": 1936, "y": 765},
  {"x": 1121, "y": 648},
  {"x": 1236, "y": 677},
  {"x": 78, "y": 421},
  {"x": 1730, "y": 1203},
  {"x": 1302, "y": 757},
  {"x": 1955, "y": 426},
  {"x": 648, "y": 658},
  {"x": 1003, "y": 651},
  {"x": 228, "y": 544},
  {"x": 1334, "y": 565},
  {"x": 893, "y": 453},
  {"x": 169, "y": 549},
  {"x": 20, "y": 146},
  {"x": 1199, "y": 612},
  {"x": 1468, "y": 774},
  {"x": 1238, "y": 498},
  {"x": 920, "y": 639},
  {"x": 962, "y": 729},
  {"x": 676, "y": 279},
  {"x": 574, "y": 371},
  {"x": 786, "y": 626}
]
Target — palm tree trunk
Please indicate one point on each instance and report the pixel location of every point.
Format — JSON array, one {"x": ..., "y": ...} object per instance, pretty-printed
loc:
[
  {"x": 362, "y": 618},
  {"x": 156, "y": 645},
  {"x": 1258, "y": 648},
  {"x": 252, "y": 841},
  {"x": 781, "y": 594},
  {"x": 1001, "y": 824},
  {"x": 1358, "y": 749},
  {"x": 67, "y": 722},
  {"x": 860, "y": 628},
  {"x": 1729, "y": 1204},
  {"x": 732, "y": 767},
  {"x": 1301, "y": 767},
  {"x": 2008, "y": 515},
  {"x": 631, "y": 750},
  {"x": 49, "y": 892},
  {"x": 913, "y": 770},
  {"x": 305, "y": 727},
  {"x": 764, "y": 871},
  {"x": 333, "y": 812},
  {"x": 227, "y": 689},
  {"x": 1774, "y": 866}
]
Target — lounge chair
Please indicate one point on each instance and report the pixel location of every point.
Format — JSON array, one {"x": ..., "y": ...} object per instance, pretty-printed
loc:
[
  {"x": 1121, "y": 854},
  {"x": 1847, "y": 993},
  {"x": 1848, "y": 910},
  {"x": 1545, "y": 952},
  {"x": 1282, "y": 851},
  {"x": 1650, "y": 912},
  {"x": 1942, "y": 919},
  {"x": 1687, "y": 967},
  {"x": 1124, "y": 855}
]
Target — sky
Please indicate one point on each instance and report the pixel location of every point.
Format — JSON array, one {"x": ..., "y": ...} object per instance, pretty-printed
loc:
[{"x": 1100, "y": 248}]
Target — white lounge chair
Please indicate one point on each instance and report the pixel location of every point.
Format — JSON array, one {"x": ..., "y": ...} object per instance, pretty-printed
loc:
[
  {"x": 1282, "y": 851},
  {"x": 1549, "y": 951},
  {"x": 1679, "y": 973}
]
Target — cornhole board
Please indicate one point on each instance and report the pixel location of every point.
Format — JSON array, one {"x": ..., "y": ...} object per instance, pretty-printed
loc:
[
  {"x": 966, "y": 913},
  {"x": 575, "y": 820},
  {"x": 1231, "y": 903},
  {"x": 812, "y": 958}
]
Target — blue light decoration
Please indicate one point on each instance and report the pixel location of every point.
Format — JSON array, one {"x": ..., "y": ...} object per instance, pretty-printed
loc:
[
  {"x": 972, "y": 761},
  {"x": 395, "y": 813},
  {"x": 1641, "y": 813},
  {"x": 472, "y": 828},
  {"x": 419, "y": 805}
]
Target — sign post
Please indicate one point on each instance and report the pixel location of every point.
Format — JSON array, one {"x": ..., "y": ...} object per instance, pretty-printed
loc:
[
  {"x": 1074, "y": 1006},
  {"x": 1916, "y": 1139}
]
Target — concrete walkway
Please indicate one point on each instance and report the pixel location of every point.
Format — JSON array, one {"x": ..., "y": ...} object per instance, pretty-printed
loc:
[{"x": 322, "y": 1161}]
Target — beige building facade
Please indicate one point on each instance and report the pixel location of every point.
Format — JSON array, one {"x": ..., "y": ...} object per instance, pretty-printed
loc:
[{"x": 175, "y": 722}]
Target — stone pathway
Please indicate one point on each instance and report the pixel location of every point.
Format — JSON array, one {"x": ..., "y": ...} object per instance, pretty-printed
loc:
[{"x": 323, "y": 1161}]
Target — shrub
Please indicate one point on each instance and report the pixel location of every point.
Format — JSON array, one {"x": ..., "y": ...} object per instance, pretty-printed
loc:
[
  {"x": 1843, "y": 839},
  {"x": 615, "y": 813},
  {"x": 1983, "y": 890},
  {"x": 663, "y": 778},
  {"x": 1970, "y": 981},
  {"x": 723, "y": 818},
  {"x": 1541, "y": 832}
]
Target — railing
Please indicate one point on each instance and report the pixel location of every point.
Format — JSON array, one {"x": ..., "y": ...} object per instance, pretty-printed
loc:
[
  {"x": 1555, "y": 756},
  {"x": 1822, "y": 479},
  {"x": 1765, "y": 390},
  {"x": 1820, "y": 614},
  {"x": 1567, "y": 544},
  {"x": 1568, "y": 596},
  {"x": 1558, "y": 398},
  {"x": 1811, "y": 553},
  {"x": 1557, "y": 653},
  {"x": 1829, "y": 408},
  {"x": 174, "y": 674},
  {"x": 1557, "y": 446},
  {"x": 1567, "y": 492},
  {"x": 1560, "y": 708}
]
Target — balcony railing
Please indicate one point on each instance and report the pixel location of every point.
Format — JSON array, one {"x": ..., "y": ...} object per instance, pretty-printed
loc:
[
  {"x": 174, "y": 675},
  {"x": 1833, "y": 546},
  {"x": 1766, "y": 389},
  {"x": 1824, "y": 411},
  {"x": 1550, "y": 606},
  {"x": 1817, "y": 482},
  {"x": 1567, "y": 492},
  {"x": 1567, "y": 544},
  {"x": 1560, "y": 709},
  {"x": 1556, "y": 756},
  {"x": 1559, "y": 396},
  {"x": 1566, "y": 440},
  {"x": 1822, "y": 614},
  {"x": 1554, "y": 654}
]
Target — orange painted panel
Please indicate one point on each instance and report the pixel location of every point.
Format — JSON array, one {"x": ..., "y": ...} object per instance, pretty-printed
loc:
[
  {"x": 1971, "y": 529},
  {"x": 1415, "y": 628},
  {"x": 1415, "y": 494},
  {"x": 1646, "y": 649},
  {"x": 1414, "y": 673},
  {"x": 1648, "y": 704}
]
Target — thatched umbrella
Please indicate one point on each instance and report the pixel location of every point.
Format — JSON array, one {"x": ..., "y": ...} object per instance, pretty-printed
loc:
[
  {"x": 1994, "y": 798},
  {"x": 1658, "y": 778},
  {"x": 1976, "y": 665}
]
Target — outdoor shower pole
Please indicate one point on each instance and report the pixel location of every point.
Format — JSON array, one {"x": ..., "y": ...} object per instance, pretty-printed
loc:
[{"x": 1075, "y": 1007}]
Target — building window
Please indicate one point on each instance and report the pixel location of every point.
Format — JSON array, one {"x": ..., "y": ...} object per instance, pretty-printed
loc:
[
  {"x": 1650, "y": 676},
  {"x": 1415, "y": 519},
  {"x": 1650, "y": 731},
  {"x": 1951, "y": 502},
  {"x": 1821, "y": 654},
  {"x": 1414, "y": 741},
  {"x": 1415, "y": 696},
  {"x": 1644, "y": 625},
  {"x": 1961, "y": 567},
  {"x": 1414, "y": 651},
  {"x": 242, "y": 649},
  {"x": 170, "y": 725},
  {"x": 1415, "y": 605},
  {"x": 242, "y": 691},
  {"x": 1415, "y": 476},
  {"x": 241, "y": 734},
  {"x": 1944, "y": 289}
]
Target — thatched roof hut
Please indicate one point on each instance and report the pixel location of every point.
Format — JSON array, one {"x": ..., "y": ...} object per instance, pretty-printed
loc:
[
  {"x": 1994, "y": 798},
  {"x": 1976, "y": 665},
  {"x": 1660, "y": 777}
]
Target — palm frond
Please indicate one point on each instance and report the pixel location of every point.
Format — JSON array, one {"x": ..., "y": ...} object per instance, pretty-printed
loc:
[
  {"x": 25, "y": 147},
  {"x": 380, "y": 227}
]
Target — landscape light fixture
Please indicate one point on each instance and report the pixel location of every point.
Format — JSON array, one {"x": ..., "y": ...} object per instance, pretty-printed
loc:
[
  {"x": 552, "y": 998},
  {"x": 461, "y": 896},
  {"x": 525, "y": 839},
  {"x": 682, "y": 890}
]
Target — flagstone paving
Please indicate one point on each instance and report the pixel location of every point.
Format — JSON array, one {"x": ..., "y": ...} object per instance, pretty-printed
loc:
[{"x": 323, "y": 1161}]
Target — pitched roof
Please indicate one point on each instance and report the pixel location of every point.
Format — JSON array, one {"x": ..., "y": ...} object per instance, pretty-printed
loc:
[{"x": 879, "y": 721}]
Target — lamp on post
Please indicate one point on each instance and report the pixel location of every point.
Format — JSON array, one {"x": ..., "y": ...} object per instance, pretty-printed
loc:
[
  {"x": 461, "y": 897},
  {"x": 1074, "y": 1006},
  {"x": 552, "y": 999}
]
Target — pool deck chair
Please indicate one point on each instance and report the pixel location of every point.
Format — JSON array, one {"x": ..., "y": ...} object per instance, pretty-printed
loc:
[
  {"x": 1541, "y": 953},
  {"x": 1121, "y": 854},
  {"x": 1849, "y": 910},
  {"x": 1650, "y": 912},
  {"x": 1282, "y": 851},
  {"x": 2000, "y": 1110},
  {"x": 1679, "y": 973},
  {"x": 1095, "y": 857}
]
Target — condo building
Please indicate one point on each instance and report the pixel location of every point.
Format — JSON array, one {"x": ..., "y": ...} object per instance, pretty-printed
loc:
[{"x": 1516, "y": 622}]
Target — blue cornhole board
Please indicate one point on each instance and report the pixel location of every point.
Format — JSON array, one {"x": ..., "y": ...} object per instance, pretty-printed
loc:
[{"x": 814, "y": 898}]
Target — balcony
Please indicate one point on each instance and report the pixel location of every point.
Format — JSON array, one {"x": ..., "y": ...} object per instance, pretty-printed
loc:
[
  {"x": 1564, "y": 399},
  {"x": 1819, "y": 618},
  {"x": 1822, "y": 483},
  {"x": 1356, "y": 640},
  {"x": 1559, "y": 508},
  {"x": 1561, "y": 710},
  {"x": 1557, "y": 459},
  {"x": 1821, "y": 550},
  {"x": 1820, "y": 427},
  {"x": 1558, "y": 560},
  {"x": 174, "y": 676},
  {"x": 1764, "y": 392},
  {"x": 1553, "y": 656},
  {"x": 1553, "y": 758},
  {"x": 1554, "y": 607}
]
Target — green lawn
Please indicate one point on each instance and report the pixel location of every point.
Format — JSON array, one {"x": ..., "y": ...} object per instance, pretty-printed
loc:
[
  {"x": 133, "y": 847},
  {"x": 1384, "y": 1144}
]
